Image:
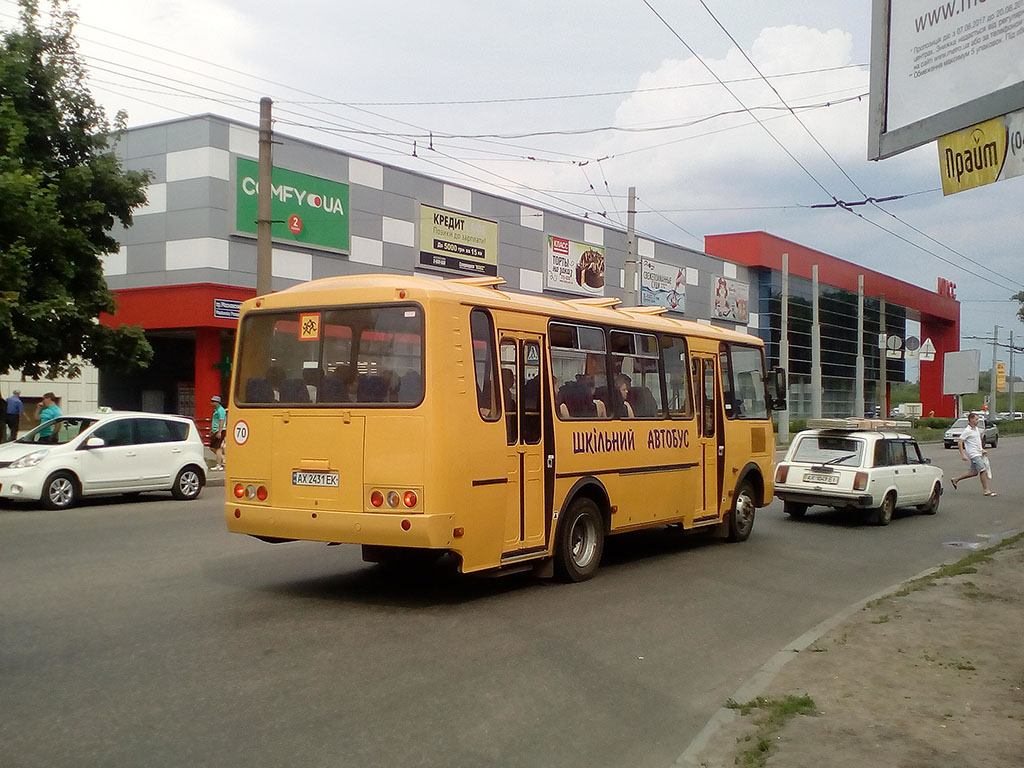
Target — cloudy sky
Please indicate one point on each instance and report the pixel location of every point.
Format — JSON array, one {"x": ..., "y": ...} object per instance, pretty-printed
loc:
[{"x": 566, "y": 104}]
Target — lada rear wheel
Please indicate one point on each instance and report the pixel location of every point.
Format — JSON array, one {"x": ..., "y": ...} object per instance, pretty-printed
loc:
[
  {"x": 793, "y": 508},
  {"x": 60, "y": 491},
  {"x": 580, "y": 541},
  {"x": 883, "y": 515}
]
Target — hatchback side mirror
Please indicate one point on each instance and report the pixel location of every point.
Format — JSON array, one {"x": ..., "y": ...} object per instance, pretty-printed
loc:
[{"x": 95, "y": 442}]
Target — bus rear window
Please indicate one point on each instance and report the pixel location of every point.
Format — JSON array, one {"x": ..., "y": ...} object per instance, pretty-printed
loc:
[{"x": 365, "y": 356}]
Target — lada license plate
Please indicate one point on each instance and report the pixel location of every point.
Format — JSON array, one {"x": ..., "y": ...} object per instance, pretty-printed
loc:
[
  {"x": 324, "y": 479},
  {"x": 821, "y": 479}
]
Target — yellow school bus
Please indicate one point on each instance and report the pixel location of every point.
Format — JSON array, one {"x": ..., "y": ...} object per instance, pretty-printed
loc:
[{"x": 416, "y": 416}]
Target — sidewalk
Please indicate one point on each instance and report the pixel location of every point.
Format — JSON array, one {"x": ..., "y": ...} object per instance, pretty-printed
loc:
[{"x": 924, "y": 675}]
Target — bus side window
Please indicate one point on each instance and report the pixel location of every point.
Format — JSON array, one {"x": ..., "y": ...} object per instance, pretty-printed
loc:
[
  {"x": 677, "y": 377},
  {"x": 485, "y": 364}
]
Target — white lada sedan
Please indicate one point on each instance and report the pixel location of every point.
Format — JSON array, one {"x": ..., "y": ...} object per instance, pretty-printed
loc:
[
  {"x": 103, "y": 453},
  {"x": 840, "y": 463}
]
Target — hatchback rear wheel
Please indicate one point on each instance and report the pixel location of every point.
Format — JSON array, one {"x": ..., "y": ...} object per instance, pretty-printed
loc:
[{"x": 188, "y": 483}]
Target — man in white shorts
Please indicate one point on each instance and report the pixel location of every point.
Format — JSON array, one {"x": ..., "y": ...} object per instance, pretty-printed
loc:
[{"x": 972, "y": 449}]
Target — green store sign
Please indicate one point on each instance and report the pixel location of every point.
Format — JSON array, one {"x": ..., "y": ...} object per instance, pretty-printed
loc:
[{"x": 304, "y": 209}]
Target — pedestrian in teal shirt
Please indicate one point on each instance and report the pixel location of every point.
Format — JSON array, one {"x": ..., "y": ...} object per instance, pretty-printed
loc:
[
  {"x": 218, "y": 426},
  {"x": 47, "y": 410}
]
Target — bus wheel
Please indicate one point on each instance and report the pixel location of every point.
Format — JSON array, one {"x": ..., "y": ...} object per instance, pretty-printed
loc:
[
  {"x": 741, "y": 517},
  {"x": 580, "y": 541}
]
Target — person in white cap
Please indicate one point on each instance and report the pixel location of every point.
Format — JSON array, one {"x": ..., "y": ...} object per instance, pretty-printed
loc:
[{"x": 218, "y": 426}]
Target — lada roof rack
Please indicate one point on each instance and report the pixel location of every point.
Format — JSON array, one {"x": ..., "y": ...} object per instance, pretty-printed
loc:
[{"x": 858, "y": 425}]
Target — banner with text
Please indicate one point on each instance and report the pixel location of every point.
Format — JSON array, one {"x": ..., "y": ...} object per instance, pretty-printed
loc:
[
  {"x": 662, "y": 285},
  {"x": 304, "y": 209},
  {"x": 574, "y": 267},
  {"x": 457, "y": 242},
  {"x": 984, "y": 153}
]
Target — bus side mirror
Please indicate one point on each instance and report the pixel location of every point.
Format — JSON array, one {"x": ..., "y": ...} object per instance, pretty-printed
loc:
[{"x": 776, "y": 385}]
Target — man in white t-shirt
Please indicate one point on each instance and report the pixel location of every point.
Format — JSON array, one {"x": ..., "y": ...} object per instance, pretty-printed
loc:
[{"x": 972, "y": 449}]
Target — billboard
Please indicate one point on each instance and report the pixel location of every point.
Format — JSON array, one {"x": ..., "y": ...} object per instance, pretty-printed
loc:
[
  {"x": 662, "y": 285},
  {"x": 456, "y": 242},
  {"x": 574, "y": 267},
  {"x": 960, "y": 372},
  {"x": 730, "y": 299},
  {"x": 939, "y": 66},
  {"x": 304, "y": 209}
]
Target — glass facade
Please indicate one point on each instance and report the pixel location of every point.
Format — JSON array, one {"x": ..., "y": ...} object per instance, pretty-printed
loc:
[{"x": 837, "y": 315}]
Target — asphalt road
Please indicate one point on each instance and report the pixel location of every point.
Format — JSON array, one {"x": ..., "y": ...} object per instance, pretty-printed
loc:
[{"x": 142, "y": 633}]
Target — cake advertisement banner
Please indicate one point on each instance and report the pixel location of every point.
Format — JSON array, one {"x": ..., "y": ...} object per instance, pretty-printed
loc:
[
  {"x": 729, "y": 301},
  {"x": 456, "y": 242},
  {"x": 574, "y": 267},
  {"x": 662, "y": 285}
]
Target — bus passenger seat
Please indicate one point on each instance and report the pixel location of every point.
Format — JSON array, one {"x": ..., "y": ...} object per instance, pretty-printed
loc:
[
  {"x": 294, "y": 391},
  {"x": 410, "y": 389},
  {"x": 258, "y": 390},
  {"x": 372, "y": 388}
]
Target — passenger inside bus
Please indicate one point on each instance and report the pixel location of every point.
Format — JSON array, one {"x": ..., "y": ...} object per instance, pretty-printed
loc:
[
  {"x": 624, "y": 409},
  {"x": 579, "y": 399}
]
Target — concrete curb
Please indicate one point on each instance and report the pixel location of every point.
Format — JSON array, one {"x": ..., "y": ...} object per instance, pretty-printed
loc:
[{"x": 760, "y": 680}]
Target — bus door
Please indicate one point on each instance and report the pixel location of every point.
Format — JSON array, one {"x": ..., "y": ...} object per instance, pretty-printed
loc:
[
  {"x": 522, "y": 385},
  {"x": 705, "y": 384}
]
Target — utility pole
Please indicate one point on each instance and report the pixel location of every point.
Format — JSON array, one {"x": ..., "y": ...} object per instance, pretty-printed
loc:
[
  {"x": 883, "y": 357},
  {"x": 264, "y": 250},
  {"x": 784, "y": 350},
  {"x": 815, "y": 347},
  {"x": 1009, "y": 379},
  {"x": 995, "y": 344},
  {"x": 858, "y": 393},
  {"x": 631, "y": 249}
]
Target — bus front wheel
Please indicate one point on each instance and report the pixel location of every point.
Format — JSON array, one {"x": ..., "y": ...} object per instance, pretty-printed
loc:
[
  {"x": 741, "y": 516},
  {"x": 580, "y": 541}
]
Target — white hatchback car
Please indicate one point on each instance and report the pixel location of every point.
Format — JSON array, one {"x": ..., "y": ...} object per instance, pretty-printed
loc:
[
  {"x": 841, "y": 464},
  {"x": 101, "y": 454}
]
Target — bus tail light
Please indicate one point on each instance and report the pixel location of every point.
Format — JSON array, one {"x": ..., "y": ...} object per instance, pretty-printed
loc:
[
  {"x": 376, "y": 498},
  {"x": 781, "y": 473},
  {"x": 393, "y": 498},
  {"x": 406, "y": 525},
  {"x": 250, "y": 491},
  {"x": 409, "y": 499},
  {"x": 860, "y": 481}
]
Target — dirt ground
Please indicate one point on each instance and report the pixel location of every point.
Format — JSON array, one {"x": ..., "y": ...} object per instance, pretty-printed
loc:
[{"x": 929, "y": 677}]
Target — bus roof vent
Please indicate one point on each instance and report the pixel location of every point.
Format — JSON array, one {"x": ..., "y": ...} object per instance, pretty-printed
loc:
[
  {"x": 596, "y": 301},
  {"x": 645, "y": 310},
  {"x": 481, "y": 282}
]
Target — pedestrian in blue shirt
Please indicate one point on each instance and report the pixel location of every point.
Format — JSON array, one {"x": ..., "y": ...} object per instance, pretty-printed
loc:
[{"x": 12, "y": 413}]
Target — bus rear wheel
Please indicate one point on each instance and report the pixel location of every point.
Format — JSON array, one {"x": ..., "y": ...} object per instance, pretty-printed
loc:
[{"x": 580, "y": 541}]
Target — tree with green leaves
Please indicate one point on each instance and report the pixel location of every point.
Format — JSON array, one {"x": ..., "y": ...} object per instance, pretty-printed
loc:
[
  {"x": 1019, "y": 297},
  {"x": 61, "y": 189}
]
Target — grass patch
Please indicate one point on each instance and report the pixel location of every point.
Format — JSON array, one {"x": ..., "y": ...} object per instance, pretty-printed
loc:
[
  {"x": 881, "y": 619},
  {"x": 962, "y": 567},
  {"x": 773, "y": 715}
]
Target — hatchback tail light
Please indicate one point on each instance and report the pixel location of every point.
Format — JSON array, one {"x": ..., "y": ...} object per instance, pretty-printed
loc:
[
  {"x": 781, "y": 473},
  {"x": 860, "y": 481}
]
